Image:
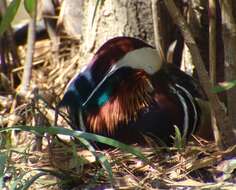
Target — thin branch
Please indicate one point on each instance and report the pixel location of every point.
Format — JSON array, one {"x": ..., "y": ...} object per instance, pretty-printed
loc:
[
  {"x": 228, "y": 137},
  {"x": 212, "y": 59},
  {"x": 157, "y": 28},
  {"x": 49, "y": 15},
  {"x": 212, "y": 40},
  {"x": 30, "y": 52}
]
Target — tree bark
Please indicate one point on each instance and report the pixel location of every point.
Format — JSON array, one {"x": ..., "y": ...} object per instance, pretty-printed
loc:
[
  {"x": 120, "y": 18},
  {"x": 115, "y": 18},
  {"x": 229, "y": 37}
]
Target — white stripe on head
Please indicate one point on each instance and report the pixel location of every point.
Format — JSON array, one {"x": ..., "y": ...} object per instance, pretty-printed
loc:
[{"x": 146, "y": 59}]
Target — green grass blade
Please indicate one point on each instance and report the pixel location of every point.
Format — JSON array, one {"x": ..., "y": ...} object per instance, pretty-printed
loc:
[
  {"x": 224, "y": 86},
  {"x": 30, "y": 6},
  {"x": 9, "y": 15},
  {"x": 101, "y": 158},
  {"x": 80, "y": 134},
  {"x": 178, "y": 139},
  {"x": 3, "y": 161},
  {"x": 29, "y": 182}
]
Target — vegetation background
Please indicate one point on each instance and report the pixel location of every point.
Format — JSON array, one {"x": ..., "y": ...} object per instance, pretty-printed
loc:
[{"x": 39, "y": 56}]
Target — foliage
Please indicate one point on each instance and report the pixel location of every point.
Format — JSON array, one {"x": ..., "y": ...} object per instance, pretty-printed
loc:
[
  {"x": 12, "y": 10},
  {"x": 83, "y": 137},
  {"x": 11, "y": 178},
  {"x": 173, "y": 167},
  {"x": 9, "y": 15},
  {"x": 168, "y": 168},
  {"x": 224, "y": 86},
  {"x": 179, "y": 140},
  {"x": 30, "y": 6}
]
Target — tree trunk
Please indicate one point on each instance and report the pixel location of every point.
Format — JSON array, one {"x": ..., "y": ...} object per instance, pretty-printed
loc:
[
  {"x": 132, "y": 18},
  {"x": 116, "y": 18},
  {"x": 229, "y": 37}
]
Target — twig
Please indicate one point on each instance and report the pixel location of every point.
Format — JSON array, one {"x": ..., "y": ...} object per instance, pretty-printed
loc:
[
  {"x": 212, "y": 40},
  {"x": 212, "y": 59},
  {"x": 30, "y": 53},
  {"x": 49, "y": 16},
  {"x": 156, "y": 26}
]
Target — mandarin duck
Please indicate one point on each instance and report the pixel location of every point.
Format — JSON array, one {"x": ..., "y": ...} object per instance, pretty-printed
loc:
[{"x": 127, "y": 92}]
